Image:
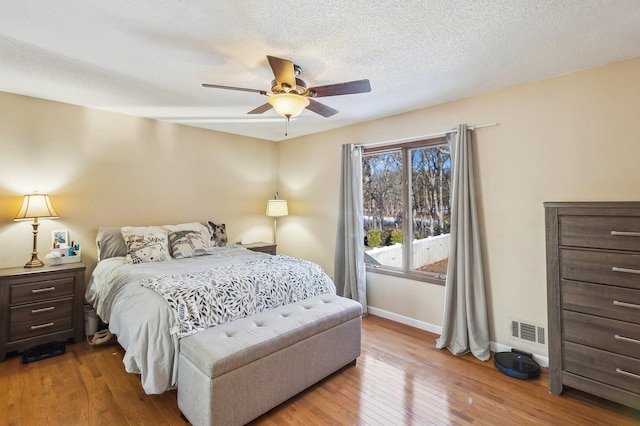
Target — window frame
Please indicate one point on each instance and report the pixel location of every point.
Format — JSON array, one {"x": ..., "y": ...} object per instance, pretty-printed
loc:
[{"x": 404, "y": 148}]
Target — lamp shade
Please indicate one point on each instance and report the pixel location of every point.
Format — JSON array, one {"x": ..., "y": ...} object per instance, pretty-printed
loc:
[
  {"x": 277, "y": 208},
  {"x": 36, "y": 206},
  {"x": 288, "y": 104}
]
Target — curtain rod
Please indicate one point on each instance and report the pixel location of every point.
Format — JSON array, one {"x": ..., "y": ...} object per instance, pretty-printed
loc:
[{"x": 417, "y": 138}]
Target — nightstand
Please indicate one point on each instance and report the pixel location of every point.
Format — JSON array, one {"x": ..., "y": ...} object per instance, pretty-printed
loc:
[
  {"x": 269, "y": 248},
  {"x": 41, "y": 305}
]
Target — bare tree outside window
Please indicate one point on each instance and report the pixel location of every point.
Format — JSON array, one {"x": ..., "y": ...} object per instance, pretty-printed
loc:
[{"x": 406, "y": 206}]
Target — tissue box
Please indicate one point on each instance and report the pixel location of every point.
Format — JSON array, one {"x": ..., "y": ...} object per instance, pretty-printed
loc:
[{"x": 64, "y": 256}]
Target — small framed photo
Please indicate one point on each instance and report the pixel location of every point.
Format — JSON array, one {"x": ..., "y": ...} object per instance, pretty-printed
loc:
[{"x": 60, "y": 238}]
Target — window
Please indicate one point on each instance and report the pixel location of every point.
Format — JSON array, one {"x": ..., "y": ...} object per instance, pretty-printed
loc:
[{"x": 406, "y": 209}]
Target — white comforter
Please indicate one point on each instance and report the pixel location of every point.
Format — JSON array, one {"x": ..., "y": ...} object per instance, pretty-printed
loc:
[{"x": 141, "y": 318}]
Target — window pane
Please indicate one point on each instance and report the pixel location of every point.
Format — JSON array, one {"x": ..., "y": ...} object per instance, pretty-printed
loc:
[
  {"x": 406, "y": 207},
  {"x": 430, "y": 204},
  {"x": 383, "y": 208}
]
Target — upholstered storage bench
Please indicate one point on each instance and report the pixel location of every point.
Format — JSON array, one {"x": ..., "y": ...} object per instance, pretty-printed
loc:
[{"x": 235, "y": 372}]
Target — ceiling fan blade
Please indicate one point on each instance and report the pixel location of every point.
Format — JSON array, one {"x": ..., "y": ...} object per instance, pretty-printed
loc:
[
  {"x": 348, "y": 88},
  {"x": 283, "y": 71},
  {"x": 261, "y": 109},
  {"x": 322, "y": 109},
  {"x": 242, "y": 89}
]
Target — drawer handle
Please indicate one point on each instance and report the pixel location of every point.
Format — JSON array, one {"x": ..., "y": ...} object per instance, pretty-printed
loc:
[
  {"x": 626, "y": 305},
  {"x": 626, "y": 339},
  {"x": 625, "y": 234},
  {"x": 43, "y": 290},
  {"x": 38, "y": 327},
  {"x": 628, "y": 374},
  {"x": 37, "y": 311},
  {"x": 627, "y": 270}
]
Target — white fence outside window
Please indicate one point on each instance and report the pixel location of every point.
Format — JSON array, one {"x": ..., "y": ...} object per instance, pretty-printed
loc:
[{"x": 425, "y": 252}]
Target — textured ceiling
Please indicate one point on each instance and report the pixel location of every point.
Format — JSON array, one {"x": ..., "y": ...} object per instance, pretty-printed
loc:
[{"x": 149, "y": 58}]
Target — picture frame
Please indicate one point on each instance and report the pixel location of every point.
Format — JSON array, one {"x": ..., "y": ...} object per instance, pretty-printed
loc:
[{"x": 60, "y": 238}]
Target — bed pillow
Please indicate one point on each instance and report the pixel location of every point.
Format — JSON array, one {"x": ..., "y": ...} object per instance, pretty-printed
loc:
[
  {"x": 146, "y": 244},
  {"x": 218, "y": 234},
  {"x": 191, "y": 226},
  {"x": 187, "y": 243},
  {"x": 110, "y": 243}
]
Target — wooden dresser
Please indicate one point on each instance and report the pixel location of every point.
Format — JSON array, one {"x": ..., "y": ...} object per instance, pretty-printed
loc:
[
  {"x": 41, "y": 305},
  {"x": 593, "y": 293}
]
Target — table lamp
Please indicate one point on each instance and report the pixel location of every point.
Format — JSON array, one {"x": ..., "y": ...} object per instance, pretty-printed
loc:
[
  {"x": 276, "y": 208},
  {"x": 36, "y": 206}
]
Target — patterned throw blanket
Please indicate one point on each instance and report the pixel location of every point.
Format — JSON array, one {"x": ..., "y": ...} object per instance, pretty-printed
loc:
[{"x": 220, "y": 295}]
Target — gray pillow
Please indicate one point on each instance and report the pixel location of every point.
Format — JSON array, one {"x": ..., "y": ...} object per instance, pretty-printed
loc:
[{"x": 110, "y": 243}]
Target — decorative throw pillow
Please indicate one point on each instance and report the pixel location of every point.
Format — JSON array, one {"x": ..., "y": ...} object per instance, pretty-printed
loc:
[
  {"x": 187, "y": 243},
  {"x": 218, "y": 234},
  {"x": 146, "y": 244},
  {"x": 191, "y": 226}
]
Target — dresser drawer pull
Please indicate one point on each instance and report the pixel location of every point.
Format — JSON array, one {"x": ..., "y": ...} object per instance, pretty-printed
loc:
[
  {"x": 37, "y": 311},
  {"x": 626, "y": 305},
  {"x": 43, "y": 290},
  {"x": 625, "y": 234},
  {"x": 626, "y": 339},
  {"x": 626, "y": 270},
  {"x": 38, "y": 327},
  {"x": 628, "y": 374}
]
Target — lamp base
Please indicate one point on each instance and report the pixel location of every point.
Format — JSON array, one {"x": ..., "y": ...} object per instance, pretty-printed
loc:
[{"x": 34, "y": 263}]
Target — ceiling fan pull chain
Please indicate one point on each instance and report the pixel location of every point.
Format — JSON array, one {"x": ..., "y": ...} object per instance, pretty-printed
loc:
[{"x": 286, "y": 125}]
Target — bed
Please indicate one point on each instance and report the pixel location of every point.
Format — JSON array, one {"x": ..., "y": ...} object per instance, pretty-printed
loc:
[{"x": 155, "y": 285}]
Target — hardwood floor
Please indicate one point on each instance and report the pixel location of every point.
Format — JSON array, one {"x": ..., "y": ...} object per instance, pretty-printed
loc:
[{"x": 399, "y": 379}]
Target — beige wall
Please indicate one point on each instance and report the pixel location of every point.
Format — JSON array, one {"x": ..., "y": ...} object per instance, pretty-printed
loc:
[
  {"x": 110, "y": 169},
  {"x": 569, "y": 138}
]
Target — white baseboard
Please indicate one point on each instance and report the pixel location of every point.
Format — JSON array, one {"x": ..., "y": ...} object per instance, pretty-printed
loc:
[
  {"x": 497, "y": 347},
  {"x": 422, "y": 325},
  {"x": 436, "y": 329}
]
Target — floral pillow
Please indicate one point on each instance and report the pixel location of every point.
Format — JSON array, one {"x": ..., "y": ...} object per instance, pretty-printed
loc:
[
  {"x": 187, "y": 243},
  {"x": 146, "y": 244}
]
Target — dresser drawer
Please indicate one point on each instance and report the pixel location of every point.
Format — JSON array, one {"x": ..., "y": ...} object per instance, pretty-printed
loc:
[
  {"x": 38, "y": 312},
  {"x": 606, "y": 301},
  {"x": 27, "y": 329},
  {"x": 615, "y": 336},
  {"x": 616, "y": 370},
  {"x": 619, "y": 269},
  {"x": 606, "y": 232},
  {"x": 39, "y": 290}
]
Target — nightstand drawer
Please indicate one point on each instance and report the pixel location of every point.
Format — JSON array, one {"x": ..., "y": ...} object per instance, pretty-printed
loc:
[
  {"x": 27, "y": 329},
  {"x": 38, "y": 312},
  {"x": 39, "y": 290}
]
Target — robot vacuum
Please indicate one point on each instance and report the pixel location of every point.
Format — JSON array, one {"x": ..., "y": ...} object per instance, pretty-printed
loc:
[{"x": 518, "y": 364}]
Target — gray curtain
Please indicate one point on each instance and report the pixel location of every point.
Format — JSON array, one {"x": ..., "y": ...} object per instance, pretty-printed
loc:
[
  {"x": 349, "y": 270},
  {"x": 465, "y": 327}
]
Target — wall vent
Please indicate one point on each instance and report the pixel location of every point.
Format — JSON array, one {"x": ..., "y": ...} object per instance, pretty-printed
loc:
[{"x": 528, "y": 331}]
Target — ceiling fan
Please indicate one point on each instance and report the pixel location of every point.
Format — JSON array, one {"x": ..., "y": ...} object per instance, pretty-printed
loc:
[{"x": 289, "y": 95}]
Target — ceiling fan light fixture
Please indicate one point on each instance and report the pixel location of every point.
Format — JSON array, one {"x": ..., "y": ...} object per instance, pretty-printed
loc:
[{"x": 287, "y": 104}]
